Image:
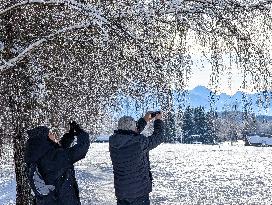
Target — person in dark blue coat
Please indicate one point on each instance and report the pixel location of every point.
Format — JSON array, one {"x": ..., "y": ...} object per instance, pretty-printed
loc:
[
  {"x": 129, "y": 152},
  {"x": 54, "y": 160}
]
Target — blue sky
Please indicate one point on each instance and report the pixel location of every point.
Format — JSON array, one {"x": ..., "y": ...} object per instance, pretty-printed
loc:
[
  {"x": 230, "y": 79},
  {"x": 229, "y": 84}
]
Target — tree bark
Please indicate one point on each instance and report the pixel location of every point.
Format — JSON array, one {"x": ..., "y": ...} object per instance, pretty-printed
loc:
[
  {"x": 23, "y": 191},
  {"x": 16, "y": 95}
]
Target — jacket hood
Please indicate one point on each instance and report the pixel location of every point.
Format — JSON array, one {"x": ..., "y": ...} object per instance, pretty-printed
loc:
[
  {"x": 122, "y": 138},
  {"x": 38, "y": 144},
  {"x": 40, "y": 132}
]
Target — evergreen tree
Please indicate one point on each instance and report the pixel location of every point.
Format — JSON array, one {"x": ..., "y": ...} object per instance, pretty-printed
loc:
[
  {"x": 210, "y": 134},
  {"x": 179, "y": 122},
  {"x": 200, "y": 125},
  {"x": 170, "y": 126},
  {"x": 187, "y": 125}
]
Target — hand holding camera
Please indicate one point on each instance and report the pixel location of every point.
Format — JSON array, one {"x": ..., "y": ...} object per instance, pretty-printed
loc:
[
  {"x": 152, "y": 114},
  {"x": 74, "y": 127},
  {"x": 158, "y": 115}
]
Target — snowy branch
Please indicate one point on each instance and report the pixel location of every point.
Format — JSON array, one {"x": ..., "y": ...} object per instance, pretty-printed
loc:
[
  {"x": 13, "y": 61},
  {"x": 261, "y": 5},
  {"x": 24, "y": 3},
  {"x": 70, "y": 3}
]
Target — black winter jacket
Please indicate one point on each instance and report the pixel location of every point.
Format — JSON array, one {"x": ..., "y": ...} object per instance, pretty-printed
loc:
[
  {"x": 129, "y": 154},
  {"x": 55, "y": 163}
]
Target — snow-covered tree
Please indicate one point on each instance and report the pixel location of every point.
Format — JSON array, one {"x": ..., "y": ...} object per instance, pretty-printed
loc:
[{"x": 68, "y": 59}]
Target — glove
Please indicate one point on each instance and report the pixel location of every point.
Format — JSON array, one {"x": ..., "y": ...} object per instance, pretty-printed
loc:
[
  {"x": 78, "y": 128},
  {"x": 74, "y": 127}
]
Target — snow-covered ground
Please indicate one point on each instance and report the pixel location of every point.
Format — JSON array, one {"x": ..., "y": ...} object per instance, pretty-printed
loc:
[{"x": 183, "y": 174}]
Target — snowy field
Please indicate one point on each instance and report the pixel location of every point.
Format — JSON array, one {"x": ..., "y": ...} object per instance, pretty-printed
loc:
[{"x": 183, "y": 174}]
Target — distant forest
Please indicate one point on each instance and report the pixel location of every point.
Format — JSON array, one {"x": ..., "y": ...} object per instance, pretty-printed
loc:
[{"x": 197, "y": 125}]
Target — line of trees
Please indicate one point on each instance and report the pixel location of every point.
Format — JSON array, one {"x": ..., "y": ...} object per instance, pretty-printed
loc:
[{"x": 208, "y": 127}]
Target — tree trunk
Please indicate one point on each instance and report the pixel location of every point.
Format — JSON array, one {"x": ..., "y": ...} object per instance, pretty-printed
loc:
[
  {"x": 20, "y": 121},
  {"x": 23, "y": 193},
  {"x": 16, "y": 89}
]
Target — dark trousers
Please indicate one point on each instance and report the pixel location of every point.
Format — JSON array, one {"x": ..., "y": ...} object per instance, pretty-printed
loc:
[{"x": 143, "y": 200}]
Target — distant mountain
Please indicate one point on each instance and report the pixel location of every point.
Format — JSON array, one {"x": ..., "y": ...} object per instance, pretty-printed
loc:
[
  {"x": 202, "y": 96},
  {"x": 201, "y": 90}
]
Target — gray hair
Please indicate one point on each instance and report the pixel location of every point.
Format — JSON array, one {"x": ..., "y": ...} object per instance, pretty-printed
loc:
[{"x": 126, "y": 123}]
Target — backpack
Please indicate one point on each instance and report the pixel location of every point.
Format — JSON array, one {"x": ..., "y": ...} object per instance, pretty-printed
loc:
[{"x": 37, "y": 184}]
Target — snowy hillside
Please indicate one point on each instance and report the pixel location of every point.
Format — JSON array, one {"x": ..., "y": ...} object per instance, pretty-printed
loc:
[{"x": 183, "y": 175}]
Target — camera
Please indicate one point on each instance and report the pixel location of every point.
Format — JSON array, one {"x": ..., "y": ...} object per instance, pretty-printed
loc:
[
  {"x": 153, "y": 114},
  {"x": 73, "y": 125}
]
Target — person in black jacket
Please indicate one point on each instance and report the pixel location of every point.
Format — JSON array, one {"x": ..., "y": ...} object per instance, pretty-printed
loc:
[
  {"x": 129, "y": 152},
  {"x": 54, "y": 160}
]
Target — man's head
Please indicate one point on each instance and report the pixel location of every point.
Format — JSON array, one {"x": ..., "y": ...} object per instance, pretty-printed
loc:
[{"x": 127, "y": 123}]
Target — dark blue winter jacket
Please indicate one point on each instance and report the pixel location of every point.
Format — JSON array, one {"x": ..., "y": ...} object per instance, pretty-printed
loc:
[
  {"x": 55, "y": 164},
  {"x": 129, "y": 154}
]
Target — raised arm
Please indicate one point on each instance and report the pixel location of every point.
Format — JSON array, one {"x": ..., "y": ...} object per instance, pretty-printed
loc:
[
  {"x": 80, "y": 149},
  {"x": 149, "y": 143},
  {"x": 67, "y": 140},
  {"x": 69, "y": 137},
  {"x": 142, "y": 122},
  {"x": 141, "y": 125}
]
